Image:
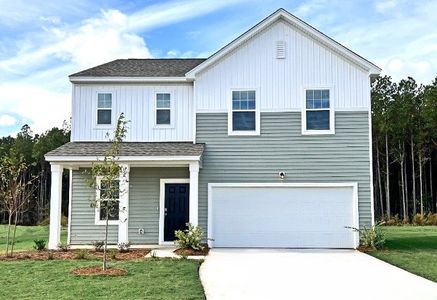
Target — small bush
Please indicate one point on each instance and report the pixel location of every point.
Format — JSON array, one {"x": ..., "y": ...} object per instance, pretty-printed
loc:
[
  {"x": 63, "y": 247},
  {"x": 431, "y": 219},
  {"x": 50, "y": 255},
  {"x": 123, "y": 247},
  {"x": 98, "y": 245},
  {"x": 46, "y": 221},
  {"x": 81, "y": 254},
  {"x": 190, "y": 238},
  {"x": 112, "y": 254},
  {"x": 418, "y": 219},
  {"x": 39, "y": 245},
  {"x": 371, "y": 238}
]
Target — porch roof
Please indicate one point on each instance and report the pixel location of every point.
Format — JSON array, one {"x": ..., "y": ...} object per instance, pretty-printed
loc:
[{"x": 75, "y": 151}]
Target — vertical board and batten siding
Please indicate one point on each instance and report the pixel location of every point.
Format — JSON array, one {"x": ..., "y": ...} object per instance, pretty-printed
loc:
[
  {"x": 280, "y": 83},
  {"x": 137, "y": 101},
  {"x": 343, "y": 157},
  {"x": 144, "y": 201},
  {"x": 144, "y": 189}
]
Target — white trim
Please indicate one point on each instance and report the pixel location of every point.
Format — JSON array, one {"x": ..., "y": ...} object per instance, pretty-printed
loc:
[
  {"x": 301, "y": 25},
  {"x": 123, "y": 215},
  {"x": 194, "y": 193},
  {"x": 257, "y": 114},
  {"x": 85, "y": 79},
  {"x": 58, "y": 158},
  {"x": 171, "y": 109},
  {"x": 96, "y": 124},
  {"x": 162, "y": 183},
  {"x": 332, "y": 98},
  {"x": 193, "y": 111},
  {"x": 55, "y": 206},
  {"x": 97, "y": 220},
  {"x": 372, "y": 196},
  {"x": 70, "y": 197},
  {"x": 353, "y": 185},
  {"x": 280, "y": 110}
]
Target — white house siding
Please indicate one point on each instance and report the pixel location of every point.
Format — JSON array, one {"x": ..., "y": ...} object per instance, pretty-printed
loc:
[
  {"x": 137, "y": 101},
  {"x": 281, "y": 82}
]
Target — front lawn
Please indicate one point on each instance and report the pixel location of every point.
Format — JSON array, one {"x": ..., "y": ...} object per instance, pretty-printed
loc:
[
  {"x": 146, "y": 279},
  {"x": 26, "y": 235},
  {"x": 412, "y": 248}
]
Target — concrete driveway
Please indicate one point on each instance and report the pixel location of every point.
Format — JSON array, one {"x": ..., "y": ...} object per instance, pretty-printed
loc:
[{"x": 307, "y": 274}]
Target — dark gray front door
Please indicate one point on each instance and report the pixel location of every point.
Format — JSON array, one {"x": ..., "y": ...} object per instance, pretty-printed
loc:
[{"x": 176, "y": 208}]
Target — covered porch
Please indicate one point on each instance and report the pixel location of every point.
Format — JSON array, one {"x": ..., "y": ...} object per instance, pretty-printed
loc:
[{"x": 153, "y": 171}]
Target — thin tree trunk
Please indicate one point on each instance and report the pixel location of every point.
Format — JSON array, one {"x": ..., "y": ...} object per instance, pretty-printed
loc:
[
  {"x": 13, "y": 235},
  {"x": 413, "y": 172},
  {"x": 430, "y": 181},
  {"x": 387, "y": 179},
  {"x": 106, "y": 241},
  {"x": 9, "y": 233},
  {"x": 405, "y": 180},
  {"x": 379, "y": 179},
  {"x": 404, "y": 206},
  {"x": 421, "y": 184}
]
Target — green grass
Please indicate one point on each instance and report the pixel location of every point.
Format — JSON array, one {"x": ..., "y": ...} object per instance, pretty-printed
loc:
[
  {"x": 411, "y": 248},
  {"x": 26, "y": 235},
  {"x": 149, "y": 279}
]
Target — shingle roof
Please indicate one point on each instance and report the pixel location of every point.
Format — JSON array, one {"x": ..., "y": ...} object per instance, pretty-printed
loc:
[
  {"x": 95, "y": 149},
  {"x": 132, "y": 67}
]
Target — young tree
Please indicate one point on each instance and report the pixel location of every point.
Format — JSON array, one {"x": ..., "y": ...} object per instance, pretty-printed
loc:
[
  {"x": 108, "y": 173},
  {"x": 15, "y": 192}
]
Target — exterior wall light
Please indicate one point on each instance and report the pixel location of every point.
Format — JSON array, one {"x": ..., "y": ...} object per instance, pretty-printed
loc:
[{"x": 281, "y": 175}]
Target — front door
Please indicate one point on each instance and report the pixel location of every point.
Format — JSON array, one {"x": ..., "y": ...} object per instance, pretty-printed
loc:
[{"x": 176, "y": 209}]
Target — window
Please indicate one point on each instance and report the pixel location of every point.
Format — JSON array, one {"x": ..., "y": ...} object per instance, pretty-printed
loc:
[
  {"x": 243, "y": 113},
  {"x": 163, "y": 109},
  {"x": 104, "y": 108},
  {"x": 318, "y": 116},
  {"x": 108, "y": 193}
]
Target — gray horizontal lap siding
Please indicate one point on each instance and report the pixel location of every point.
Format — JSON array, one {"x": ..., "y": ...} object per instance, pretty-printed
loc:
[
  {"x": 343, "y": 157},
  {"x": 143, "y": 206},
  {"x": 144, "y": 201},
  {"x": 83, "y": 228}
]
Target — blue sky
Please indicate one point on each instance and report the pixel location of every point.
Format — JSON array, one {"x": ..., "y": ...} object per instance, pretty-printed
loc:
[{"x": 42, "y": 42}]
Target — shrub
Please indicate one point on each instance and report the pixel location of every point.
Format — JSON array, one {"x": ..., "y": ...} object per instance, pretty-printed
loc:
[
  {"x": 39, "y": 245},
  {"x": 81, "y": 254},
  {"x": 50, "y": 255},
  {"x": 113, "y": 254},
  {"x": 46, "y": 221},
  {"x": 123, "y": 247},
  {"x": 371, "y": 238},
  {"x": 63, "y": 247},
  {"x": 418, "y": 219},
  {"x": 98, "y": 245},
  {"x": 190, "y": 238},
  {"x": 431, "y": 219}
]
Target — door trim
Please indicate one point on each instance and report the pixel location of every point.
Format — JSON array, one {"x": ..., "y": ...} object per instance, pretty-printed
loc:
[
  {"x": 353, "y": 185},
  {"x": 162, "y": 183}
]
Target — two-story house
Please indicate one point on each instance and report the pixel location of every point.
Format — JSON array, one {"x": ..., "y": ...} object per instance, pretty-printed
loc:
[{"x": 266, "y": 143}]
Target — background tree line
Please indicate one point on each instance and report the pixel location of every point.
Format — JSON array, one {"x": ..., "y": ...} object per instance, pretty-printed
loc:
[
  {"x": 23, "y": 164},
  {"x": 404, "y": 117}
]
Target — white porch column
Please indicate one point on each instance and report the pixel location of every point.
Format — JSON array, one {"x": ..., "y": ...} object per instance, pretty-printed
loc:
[
  {"x": 55, "y": 207},
  {"x": 123, "y": 222},
  {"x": 194, "y": 193}
]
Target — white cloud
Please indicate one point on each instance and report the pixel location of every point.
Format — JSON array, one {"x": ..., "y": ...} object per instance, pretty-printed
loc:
[
  {"x": 7, "y": 120},
  {"x": 383, "y": 6}
]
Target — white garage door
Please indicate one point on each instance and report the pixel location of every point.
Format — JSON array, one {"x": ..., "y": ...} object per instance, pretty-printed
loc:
[{"x": 282, "y": 216}]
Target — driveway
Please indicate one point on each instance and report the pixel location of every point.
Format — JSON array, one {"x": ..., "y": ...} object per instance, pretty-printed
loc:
[{"x": 307, "y": 274}]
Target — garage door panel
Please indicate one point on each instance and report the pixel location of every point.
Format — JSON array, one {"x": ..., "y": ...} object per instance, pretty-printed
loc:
[{"x": 282, "y": 217}]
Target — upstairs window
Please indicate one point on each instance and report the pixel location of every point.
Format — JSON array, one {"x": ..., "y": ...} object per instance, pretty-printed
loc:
[
  {"x": 318, "y": 114},
  {"x": 104, "y": 108},
  {"x": 108, "y": 193},
  {"x": 163, "y": 109},
  {"x": 244, "y": 113}
]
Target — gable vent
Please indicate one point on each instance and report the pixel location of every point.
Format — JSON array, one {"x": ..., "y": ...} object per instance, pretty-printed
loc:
[{"x": 280, "y": 49}]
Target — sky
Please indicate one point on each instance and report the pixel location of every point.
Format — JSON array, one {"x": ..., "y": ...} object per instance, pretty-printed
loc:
[{"x": 42, "y": 42}]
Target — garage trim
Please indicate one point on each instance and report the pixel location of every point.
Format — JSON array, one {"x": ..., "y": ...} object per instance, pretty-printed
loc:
[{"x": 354, "y": 186}]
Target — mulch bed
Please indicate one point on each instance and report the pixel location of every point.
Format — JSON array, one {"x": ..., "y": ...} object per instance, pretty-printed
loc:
[
  {"x": 133, "y": 254},
  {"x": 192, "y": 252},
  {"x": 98, "y": 271}
]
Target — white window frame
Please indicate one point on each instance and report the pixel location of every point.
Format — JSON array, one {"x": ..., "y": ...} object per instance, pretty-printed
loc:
[
  {"x": 97, "y": 109},
  {"x": 257, "y": 130},
  {"x": 171, "y": 125},
  {"x": 331, "y": 109},
  {"x": 97, "y": 209}
]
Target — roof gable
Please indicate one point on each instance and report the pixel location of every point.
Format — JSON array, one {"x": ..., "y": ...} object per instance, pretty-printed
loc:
[{"x": 282, "y": 14}]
